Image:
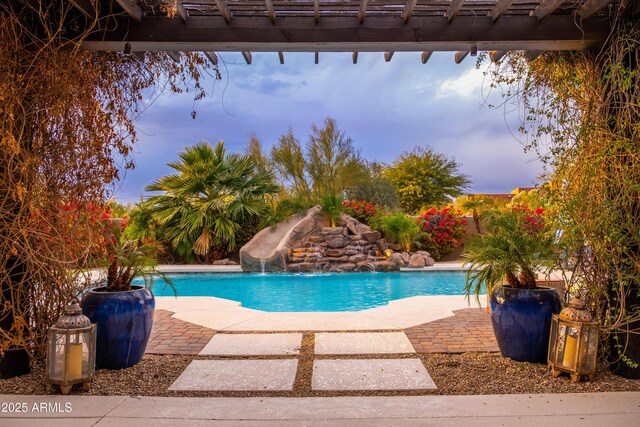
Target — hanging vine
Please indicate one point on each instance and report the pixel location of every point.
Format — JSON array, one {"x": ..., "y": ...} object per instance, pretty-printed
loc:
[
  {"x": 580, "y": 111},
  {"x": 66, "y": 133}
]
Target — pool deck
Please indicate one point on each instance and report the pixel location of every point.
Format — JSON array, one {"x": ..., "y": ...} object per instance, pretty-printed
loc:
[
  {"x": 186, "y": 325},
  {"x": 433, "y": 324}
]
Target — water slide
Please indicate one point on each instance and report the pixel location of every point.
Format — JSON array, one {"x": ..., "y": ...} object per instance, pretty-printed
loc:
[{"x": 268, "y": 249}]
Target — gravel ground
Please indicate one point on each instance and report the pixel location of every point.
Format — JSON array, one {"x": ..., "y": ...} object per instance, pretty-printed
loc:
[{"x": 468, "y": 373}]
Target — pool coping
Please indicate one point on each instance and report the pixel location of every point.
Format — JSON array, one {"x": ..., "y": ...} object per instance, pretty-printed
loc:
[
  {"x": 201, "y": 268},
  {"x": 228, "y": 315}
]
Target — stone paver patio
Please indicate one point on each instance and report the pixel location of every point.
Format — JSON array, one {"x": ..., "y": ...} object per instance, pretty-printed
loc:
[{"x": 323, "y": 352}]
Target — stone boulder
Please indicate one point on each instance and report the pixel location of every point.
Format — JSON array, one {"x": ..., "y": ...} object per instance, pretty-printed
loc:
[
  {"x": 417, "y": 261},
  {"x": 336, "y": 241},
  {"x": 396, "y": 258},
  {"x": 371, "y": 236}
]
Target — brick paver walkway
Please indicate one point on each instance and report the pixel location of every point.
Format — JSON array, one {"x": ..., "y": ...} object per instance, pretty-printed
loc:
[
  {"x": 174, "y": 336},
  {"x": 468, "y": 330}
]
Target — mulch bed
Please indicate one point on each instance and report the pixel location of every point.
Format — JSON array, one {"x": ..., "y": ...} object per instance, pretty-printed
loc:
[{"x": 466, "y": 373}]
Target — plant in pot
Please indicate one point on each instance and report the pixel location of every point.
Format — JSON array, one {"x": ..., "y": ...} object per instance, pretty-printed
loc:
[
  {"x": 504, "y": 261},
  {"x": 122, "y": 312}
]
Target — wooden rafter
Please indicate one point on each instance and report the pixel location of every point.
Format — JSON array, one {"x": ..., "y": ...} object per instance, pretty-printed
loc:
[
  {"x": 211, "y": 56},
  {"x": 85, "y": 7},
  {"x": 408, "y": 10},
  {"x": 454, "y": 9},
  {"x": 247, "y": 57},
  {"x": 281, "y": 57},
  {"x": 223, "y": 7},
  {"x": 344, "y": 34},
  {"x": 131, "y": 8},
  {"x": 316, "y": 11},
  {"x": 590, "y": 7},
  {"x": 271, "y": 11},
  {"x": 531, "y": 55},
  {"x": 424, "y": 57},
  {"x": 545, "y": 8},
  {"x": 388, "y": 56},
  {"x": 175, "y": 56},
  {"x": 354, "y": 57},
  {"x": 316, "y": 57},
  {"x": 182, "y": 12},
  {"x": 362, "y": 11},
  {"x": 501, "y": 7},
  {"x": 460, "y": 55},
  {"x": 496, "y": 55}
]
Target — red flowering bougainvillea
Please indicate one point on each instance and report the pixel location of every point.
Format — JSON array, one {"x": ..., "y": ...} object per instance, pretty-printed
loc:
[
  {"x": 442, "y": 231},
  {"x": 360, "y": 210}
]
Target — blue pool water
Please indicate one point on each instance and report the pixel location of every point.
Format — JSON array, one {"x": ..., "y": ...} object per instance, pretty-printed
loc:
[{"x": 314, "y": 292}]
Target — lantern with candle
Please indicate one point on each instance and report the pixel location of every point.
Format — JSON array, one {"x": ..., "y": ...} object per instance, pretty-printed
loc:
[
  {"x": 573, "y": 343},
  {"x": 71, "y": 351}
]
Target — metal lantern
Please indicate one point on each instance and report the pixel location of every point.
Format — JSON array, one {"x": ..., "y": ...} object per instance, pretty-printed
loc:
[
  {"x": 71, "y": 354},
  {"x": 573, "y": 342}
]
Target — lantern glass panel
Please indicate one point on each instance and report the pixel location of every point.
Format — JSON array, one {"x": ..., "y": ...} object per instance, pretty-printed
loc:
[
  {"x": 552, "y": 340},
  {"x": 57, "y": 339},
  {"x": 589, "y": 349}
]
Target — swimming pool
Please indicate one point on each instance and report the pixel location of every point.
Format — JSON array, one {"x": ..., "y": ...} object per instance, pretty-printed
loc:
[{"x": 314, "y": 292}]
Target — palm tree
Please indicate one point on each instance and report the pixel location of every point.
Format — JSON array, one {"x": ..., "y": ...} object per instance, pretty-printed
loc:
[
  {"x": 209, "y": 199},
  {"x": 518, "y": 244}
]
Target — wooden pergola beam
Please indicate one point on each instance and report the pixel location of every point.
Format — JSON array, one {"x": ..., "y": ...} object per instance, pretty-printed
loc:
[
  {"x": 344, "y": 34},
  {"x": 545, "y": 8},
  {"x": 531, "y": 55},
  {"x": 316, "y": 11},
  {"x": 496, "y": 55},
  {"x": 247, "y": 57},
  {"x": 354, "y": 57},
  {"x": 131, "y": 8},
  {"x": 408, "y": 10},
  {"x": 587, "y": 9},
  {"x": 460, "y": 55},
  {"x": 271, "y": 11},
  {"x": 211, "y": 56},
  {"x": 223, "y": 7},
  {"x": 182, "y": 12},
  {"x": 454, "y": 9},
  {"x": 316, "y": 57},
  {"x": 281, "y": 57},
  {"x": 175, "y": 56},
  {"x": 501, "y": 7},
  {"x": 362, "y": 12},
  {"x": 388, "y": 56},
  {"x": 85, "y": 7},
  {"x": 424, "y": 57}
]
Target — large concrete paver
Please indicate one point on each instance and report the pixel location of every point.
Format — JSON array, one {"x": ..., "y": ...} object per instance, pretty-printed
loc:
[
  {"x": 237, "y": 375},
  {"x": 371, "y": 374},
  {"x": 362, "y": 343},
  {"x": 253, "y": 344}
]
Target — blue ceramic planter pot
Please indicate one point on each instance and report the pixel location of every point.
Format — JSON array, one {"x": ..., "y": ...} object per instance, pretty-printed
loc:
[
  {"x": 521, "y": 320},
  {"x": 123, "y": 320}
]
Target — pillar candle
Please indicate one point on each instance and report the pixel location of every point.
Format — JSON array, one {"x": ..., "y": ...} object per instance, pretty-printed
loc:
[
  {"x": 569, "y": 360},
  {"x": 75, "y": 361}
]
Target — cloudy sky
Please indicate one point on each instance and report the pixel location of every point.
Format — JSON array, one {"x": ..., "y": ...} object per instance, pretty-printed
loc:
[{"x": 386, "y": 108}]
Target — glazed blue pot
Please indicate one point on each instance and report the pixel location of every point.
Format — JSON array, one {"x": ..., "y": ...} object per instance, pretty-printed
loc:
[
  {"x": 521, "y": 320},
  {"x": 123, "y": 320}
]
